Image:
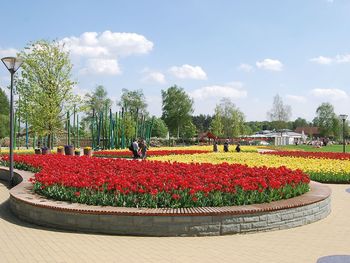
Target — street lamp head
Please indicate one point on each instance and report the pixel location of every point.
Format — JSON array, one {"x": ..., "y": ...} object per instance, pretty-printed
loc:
[
  {"x": 12, "y": 63},
  {"x": 343, "y": 116}
]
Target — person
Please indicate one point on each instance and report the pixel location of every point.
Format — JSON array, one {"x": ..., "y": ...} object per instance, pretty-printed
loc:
[
  {"x": 226, "y": 146},
  {"x": 215, "y": 146},
  {"x": 238, "y": 148},
  {"x": 143, "y": 148},
  {"x": 135, "y": 149}
]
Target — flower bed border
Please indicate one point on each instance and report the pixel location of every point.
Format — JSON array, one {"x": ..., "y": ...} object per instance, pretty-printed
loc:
[{"x": 201, "y": 221}]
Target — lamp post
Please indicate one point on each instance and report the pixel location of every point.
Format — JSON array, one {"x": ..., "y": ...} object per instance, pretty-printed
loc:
[
  {"x": 343, "y": 117},
  {"x": 12, "y": 64}
]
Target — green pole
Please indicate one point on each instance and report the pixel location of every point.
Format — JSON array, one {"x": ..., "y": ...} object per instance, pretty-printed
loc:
[
  {"x": 123, "y": 131},
  {"x": 68, "y": 128},
  {"x": 27, "y": 135},
  {"x": 116, "y": 131},
  {"x": 99, "y": 131},
  {"x": 150, "y": 131},
  {"x": 111, "y": 141},
  {"x": 78, "y": 143},
  {"x": 92, "y": 129},
  {"x": 137, "y": 123},
  {"x": 15, "y": 131},
  {"x": 74, "y": 135}
]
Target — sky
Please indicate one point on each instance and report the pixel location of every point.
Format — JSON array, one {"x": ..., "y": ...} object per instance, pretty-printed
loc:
[{"x": 244, "y": 50}]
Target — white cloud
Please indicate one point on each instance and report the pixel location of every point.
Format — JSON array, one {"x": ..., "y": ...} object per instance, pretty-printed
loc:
[
  {"x": 101, "y": 66},
  {"x": 232, "y": 90},
  {"x": 93, "y": 44},
  {"x": 245, "y": 67},
  {"x": 322, "y": 60},
  {"x": 9, "y": 52},
  {"x": 270, "y": 64},
  {"x": 188, "y": 72},
  {"x": 154, "y": 76},
  {"x": 334, "y": 94},
  {"x": 342, "y": 58},
  {"x": 105, "y": 48},
  {"x": 295, "y": 98},
  {"x": 345, "y": 58}
]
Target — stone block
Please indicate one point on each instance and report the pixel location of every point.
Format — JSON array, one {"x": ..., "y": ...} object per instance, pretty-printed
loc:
[
  {"x": 246, "y": 226},
  {"x": 287, "y": 217},
  {"x": 258, "y": 225},
  {"x": 298, "y": 214},
  {"x": 205, "y": 229},
  {"x": 230, "y": 229},
  {"x": 251, "y": 219},
  {"x": 230, "y": 219},
  {"x": 273, "y": 218}
]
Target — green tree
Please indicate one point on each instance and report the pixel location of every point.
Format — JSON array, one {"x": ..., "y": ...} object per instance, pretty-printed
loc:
[
  {"x": 188, "y": 131},
  {"x": 4, "y": 102},
  {"x": 159, "y": 128},
  {"x": 217, "y": 127},
  {"x": 46, "y": 86},
  {"x": 280, "y": 113},
  {"x": 177, "y": 109},
  {"x": 327, "y": 121},
  {"x": 202, "y": 122},
  {"x": 228, "y": 120},
  {"x": 4, "y": 114},
  {"x": 300, "y": 122},
  {"x": 97, "y": 100},
  {"x": 133, "y": 101}
]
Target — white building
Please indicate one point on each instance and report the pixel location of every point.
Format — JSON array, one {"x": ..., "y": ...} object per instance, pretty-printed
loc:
[{"x": 278, "y": 138}]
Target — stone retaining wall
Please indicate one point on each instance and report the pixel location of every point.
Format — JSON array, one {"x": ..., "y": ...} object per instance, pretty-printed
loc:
[{"x": 283, "y": 214}]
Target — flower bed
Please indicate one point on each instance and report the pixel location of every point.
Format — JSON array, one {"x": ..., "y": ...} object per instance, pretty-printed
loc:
[
  {"x": 119, "y": 182},
  {"x": 127, "y": 153},
  {"x": 321, "y": 170},
  {"x": 316, "y": 155}
]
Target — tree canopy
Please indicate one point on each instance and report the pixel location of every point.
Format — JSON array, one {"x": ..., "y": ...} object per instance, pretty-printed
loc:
[
  {"x": 327, "y": 121},
  {"x": 177, "y": 109},
  {"x": 46, "y": 86},
  {"x": 133, "y": 101},
  {"x": 4, "y": 114},
  {"x": 228, "y": 120},
  {"x": 159, "y": 128}
]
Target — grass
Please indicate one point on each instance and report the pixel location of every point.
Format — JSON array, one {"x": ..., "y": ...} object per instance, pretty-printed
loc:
[{"x": 309, "y": 148}]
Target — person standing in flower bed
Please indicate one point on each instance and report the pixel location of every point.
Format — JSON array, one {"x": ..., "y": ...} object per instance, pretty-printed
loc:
[
  {"x": 215, "y": 146},
  {"x": 238, "y": 148},
  {"x": 143, "y": 149},
  {"x": 134, "y": 147},
  {"x": 226, "y": 146}
]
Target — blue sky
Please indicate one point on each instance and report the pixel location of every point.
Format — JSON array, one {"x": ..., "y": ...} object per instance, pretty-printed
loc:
[{"x": 247, "y": 51}]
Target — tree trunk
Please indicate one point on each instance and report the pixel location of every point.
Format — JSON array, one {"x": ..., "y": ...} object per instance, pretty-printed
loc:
[{"x": 49, "y": 144}]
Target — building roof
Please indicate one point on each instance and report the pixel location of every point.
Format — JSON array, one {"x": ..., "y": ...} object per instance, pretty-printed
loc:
[{"x": 308, "y": 130}]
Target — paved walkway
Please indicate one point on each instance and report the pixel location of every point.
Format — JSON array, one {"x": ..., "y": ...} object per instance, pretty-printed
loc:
[{"x": 23, "y": 242}]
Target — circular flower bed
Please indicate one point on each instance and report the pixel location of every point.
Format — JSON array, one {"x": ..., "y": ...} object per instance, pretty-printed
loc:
[{"x": 118, "y": 182}]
